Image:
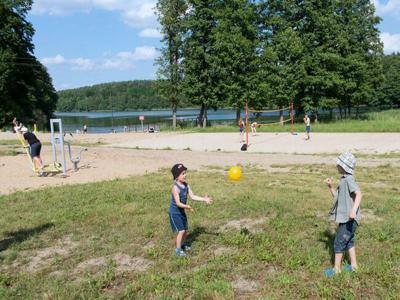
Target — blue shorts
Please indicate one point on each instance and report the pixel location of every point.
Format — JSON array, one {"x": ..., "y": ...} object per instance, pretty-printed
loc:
[
  {"x": 178, "y": 222},
  {"x": 241, "y": 129},
  {"x": 35, "y": 149},
  {"x": 308, "y": 129},
  {"x": 345, "y": 236}
]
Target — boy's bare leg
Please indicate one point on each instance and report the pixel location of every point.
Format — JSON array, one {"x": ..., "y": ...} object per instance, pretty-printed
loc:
[
  {"x": 338, "y": 261},
  {"x": 179, "y": 238},
  {"x": 184, "y": 237},
  {"x": 352, "y": 254}
]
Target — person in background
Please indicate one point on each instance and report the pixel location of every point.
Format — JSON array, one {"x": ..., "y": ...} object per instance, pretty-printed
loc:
[{"x": 308, "y": 126}]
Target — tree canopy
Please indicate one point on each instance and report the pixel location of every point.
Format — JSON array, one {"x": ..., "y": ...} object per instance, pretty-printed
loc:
[
  {"x": 321, "y": 54},
  {"x": 26, "y": 89}
]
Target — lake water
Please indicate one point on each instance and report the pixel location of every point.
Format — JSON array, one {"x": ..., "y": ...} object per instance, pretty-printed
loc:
[{"x": 102, "y": 122}]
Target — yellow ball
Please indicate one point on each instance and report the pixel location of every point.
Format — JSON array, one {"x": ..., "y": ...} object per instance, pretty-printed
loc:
[{"x": 235, "y": 173}]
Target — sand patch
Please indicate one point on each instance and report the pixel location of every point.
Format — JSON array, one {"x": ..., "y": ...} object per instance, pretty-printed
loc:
[
  {"x": 44, "y": 257},
  {"x": 253, "y": 225},
  {"x": 224, "y": 251},
  {"x": 123, "y": 263},
  {"x": 242, "y": 285}
]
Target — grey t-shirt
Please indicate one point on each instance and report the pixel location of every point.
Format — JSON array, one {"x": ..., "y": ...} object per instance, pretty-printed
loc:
[{"x": 344, "y": 200}]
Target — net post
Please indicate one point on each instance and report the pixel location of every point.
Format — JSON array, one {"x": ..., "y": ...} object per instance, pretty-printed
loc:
[
  {"x": 291, "y": 118},
  {"x": 247, "y": 124}
]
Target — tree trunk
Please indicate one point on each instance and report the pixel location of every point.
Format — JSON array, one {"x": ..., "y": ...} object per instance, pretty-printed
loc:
[
  {"x": 174, "y": 109},
  {"x": 340, "y": 112},
  {"x": 205, "y": 117},
  {"x": 316, "y": 118},
  {"x": 281, "y": 116},
  {"x": 237, "y": 115},
  {"x": 200, "y": 118}
]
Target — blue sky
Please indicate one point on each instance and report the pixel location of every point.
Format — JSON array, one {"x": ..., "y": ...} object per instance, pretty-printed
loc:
[{"x": 86, "y": 42}]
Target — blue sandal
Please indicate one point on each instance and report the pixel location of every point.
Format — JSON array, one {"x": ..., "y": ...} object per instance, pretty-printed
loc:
[{"x": 329, "y": 272}]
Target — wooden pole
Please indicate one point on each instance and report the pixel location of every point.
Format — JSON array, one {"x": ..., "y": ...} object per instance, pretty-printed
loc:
[
  {"x": 247, "y": 125},
  {"x": 292, "y": 118}
]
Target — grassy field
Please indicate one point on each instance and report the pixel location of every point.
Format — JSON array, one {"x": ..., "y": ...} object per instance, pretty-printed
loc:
[
  {"x": 263, "y": 237},
  {"x": 385, "y": 121}
]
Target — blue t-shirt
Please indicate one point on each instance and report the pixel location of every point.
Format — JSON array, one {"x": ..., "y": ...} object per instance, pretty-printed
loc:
[{"x": 183, "y": 191}]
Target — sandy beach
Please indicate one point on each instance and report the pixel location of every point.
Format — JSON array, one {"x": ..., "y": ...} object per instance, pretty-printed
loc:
[{"x": 119, "y": 155}]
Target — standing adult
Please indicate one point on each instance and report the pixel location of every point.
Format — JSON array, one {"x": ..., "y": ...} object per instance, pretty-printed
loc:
[
  {"x": 308, "y": 126},
  {"x": 84, "y": 129}
]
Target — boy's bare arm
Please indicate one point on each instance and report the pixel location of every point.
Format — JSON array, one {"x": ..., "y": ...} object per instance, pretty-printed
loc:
[
  {"x": 356, "y": 205},
  {"x": 178, "y": 202},
  {"x": 192, "y": 196},
  {"x": 329, "y": 183}
]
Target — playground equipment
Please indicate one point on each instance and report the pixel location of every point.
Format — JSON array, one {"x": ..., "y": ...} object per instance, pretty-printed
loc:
[
  {"x": 75, "y": 161},
  {"x": 57, "y": 145}
]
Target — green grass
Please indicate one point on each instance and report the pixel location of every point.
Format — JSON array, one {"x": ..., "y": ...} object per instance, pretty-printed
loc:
[
  {"x": 10, "y": 143},
  {"x": 285, "y": 258},
  {"x": 385, "y": 121}
]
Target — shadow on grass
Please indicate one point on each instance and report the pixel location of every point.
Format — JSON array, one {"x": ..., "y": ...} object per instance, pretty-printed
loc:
[
  {"x": 196, "y": 232},
  {"x": 21, "y": 235},
  {"x": 328, "y": 237}
]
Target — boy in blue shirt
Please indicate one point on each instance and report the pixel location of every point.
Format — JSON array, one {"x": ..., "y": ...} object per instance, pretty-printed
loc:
[
  {"x": 177, "y": 215},
  {"x": 345, "y": 212}
]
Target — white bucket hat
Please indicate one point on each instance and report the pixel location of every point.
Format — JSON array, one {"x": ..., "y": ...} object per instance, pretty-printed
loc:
[{"x": 347, "y": 161}]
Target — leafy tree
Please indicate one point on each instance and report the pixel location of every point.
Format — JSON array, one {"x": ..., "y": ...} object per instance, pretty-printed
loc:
[
  {"x": 125, "y": 95},
  {"x": 390, "y": 92},
  {"x": 26, "y": 90},
  {"x": 200, "y": 70},
  {"x": 171, "y": 14},
  {"x": 282, "y": 54},
  {"x": 235, "y": 35}
]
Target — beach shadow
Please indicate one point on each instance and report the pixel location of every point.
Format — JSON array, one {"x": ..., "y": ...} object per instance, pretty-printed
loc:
[
  {"x": 328, "y": 238},
  {"x": 21, "y": 235},
  {"x": 196, "y": 232}
]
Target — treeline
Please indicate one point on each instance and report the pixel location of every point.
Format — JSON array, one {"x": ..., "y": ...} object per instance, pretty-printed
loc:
[
  {"x": 119, "y": 96},
  {"x": 319, "y": 53},
  {"x": 26, "y": 89}
]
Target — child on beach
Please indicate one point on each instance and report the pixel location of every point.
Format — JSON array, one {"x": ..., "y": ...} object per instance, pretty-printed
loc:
[
  {"x": 308, "y": 126},
  {"x": 345, "y": 212},
  {"x": 254, "y": 128},
  {"x": 177, "y": 215},
  {"x": 241, "y": 129}
]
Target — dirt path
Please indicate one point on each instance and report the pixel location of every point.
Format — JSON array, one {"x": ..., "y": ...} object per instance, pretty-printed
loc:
[{"x": 111, "y": 161}]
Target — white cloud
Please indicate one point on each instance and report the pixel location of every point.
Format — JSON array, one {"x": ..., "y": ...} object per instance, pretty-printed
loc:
[
  {"x": 136, "y": 13},
  {"x": 126, "y": 59},
  {"x": 121, "y": 61},
  {"x": 56, "y": 60},
  {"x": 391, "y": 7},
  {"x": 150, "y": 33},
  {"x": 140, "y": 53},
  {"x": 391, "y": 42},
  {"x": 140, "y": 15},
  {"x": 83, "y": 64}
]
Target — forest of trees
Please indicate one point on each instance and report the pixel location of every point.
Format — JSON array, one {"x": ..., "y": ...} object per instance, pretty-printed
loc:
[
  {"x": 320, "y": 53},
  {"x": 26, "y": 89},
  {"x": 119, "y": 96}
]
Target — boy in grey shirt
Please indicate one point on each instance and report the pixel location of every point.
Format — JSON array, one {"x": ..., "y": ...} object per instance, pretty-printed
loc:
[{"x": 345, "y": 211}]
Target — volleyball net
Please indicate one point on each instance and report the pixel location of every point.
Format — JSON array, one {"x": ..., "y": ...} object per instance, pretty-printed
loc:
[{"x": 287, "y": 112}]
